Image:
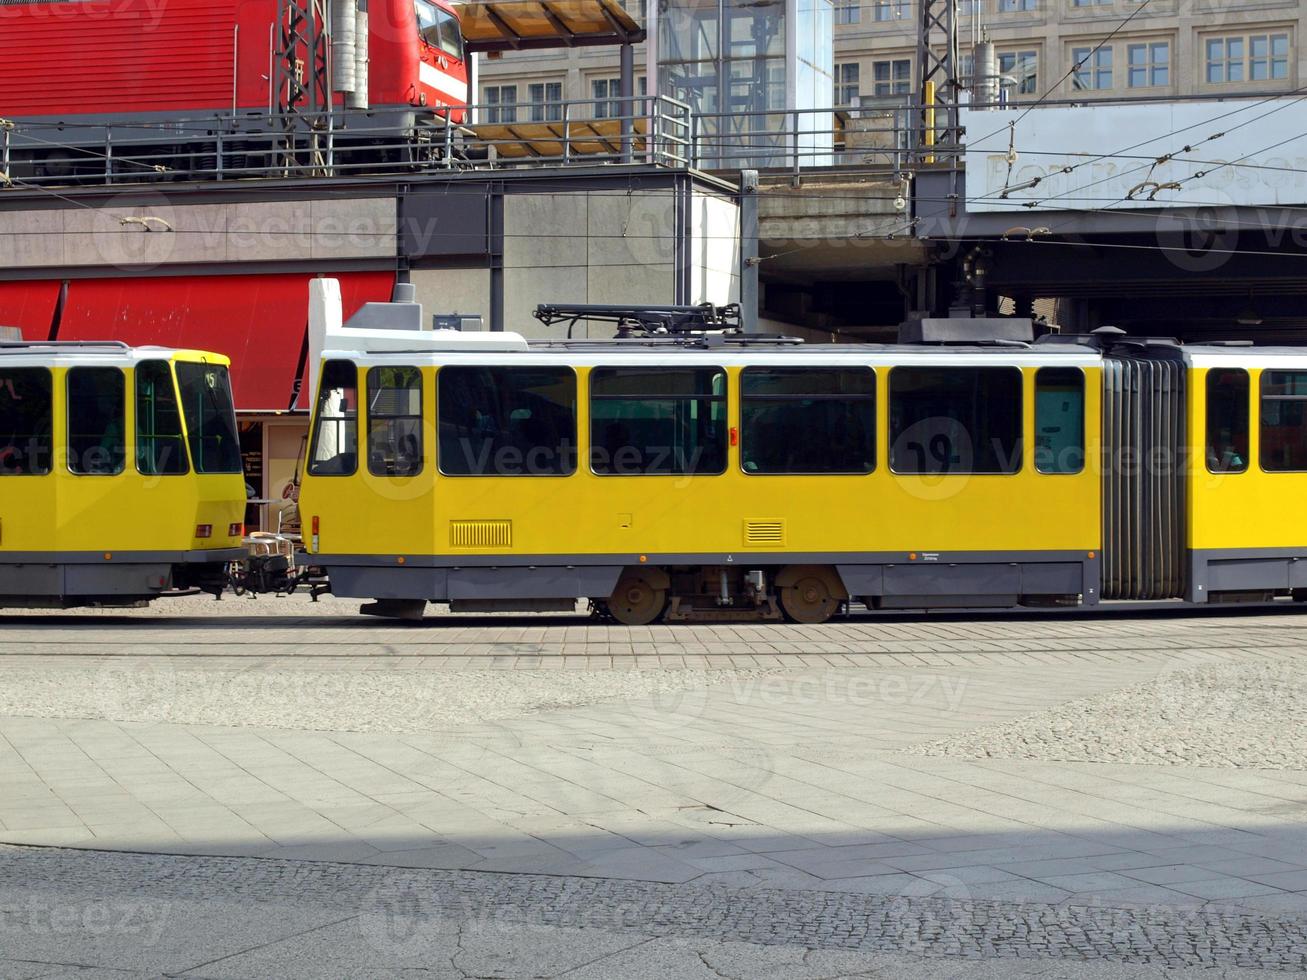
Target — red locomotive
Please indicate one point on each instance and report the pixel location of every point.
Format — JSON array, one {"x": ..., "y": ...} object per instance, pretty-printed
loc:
[{"x": 177, "y": 68}]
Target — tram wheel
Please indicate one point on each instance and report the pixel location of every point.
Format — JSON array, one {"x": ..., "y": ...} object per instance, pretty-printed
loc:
[
  {"x": 636, "y": 601},
  {"x": 808, "y": 600}
]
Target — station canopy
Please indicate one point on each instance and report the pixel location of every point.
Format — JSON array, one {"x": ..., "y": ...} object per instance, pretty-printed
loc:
[{"x": 519, "y": 25}]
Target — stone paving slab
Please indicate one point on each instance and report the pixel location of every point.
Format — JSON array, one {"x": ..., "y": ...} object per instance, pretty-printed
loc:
[{"x": 771, "y": 762}]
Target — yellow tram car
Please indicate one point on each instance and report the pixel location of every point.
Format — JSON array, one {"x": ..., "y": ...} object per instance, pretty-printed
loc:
[
  {"x": 120, "y": 473},
  {"x": 700, "y": 477}
]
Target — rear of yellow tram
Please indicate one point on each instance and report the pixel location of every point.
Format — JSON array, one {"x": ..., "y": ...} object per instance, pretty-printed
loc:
[{"x": 120, "y": 474}]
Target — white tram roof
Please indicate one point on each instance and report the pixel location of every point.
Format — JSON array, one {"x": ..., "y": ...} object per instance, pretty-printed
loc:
[
  {"x": 428, "y": 348},
  {"x": 37, "y": 353}
]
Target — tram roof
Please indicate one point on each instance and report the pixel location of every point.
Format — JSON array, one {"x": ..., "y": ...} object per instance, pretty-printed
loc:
[
  {"x": 638, "y": 352},
  {"x": 75, "y": 353}
]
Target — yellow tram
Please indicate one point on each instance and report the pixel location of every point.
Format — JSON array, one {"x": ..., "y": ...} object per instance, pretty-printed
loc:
[
  {"x": 705, "y": 477},
  {"x": 120, "y": 473}
]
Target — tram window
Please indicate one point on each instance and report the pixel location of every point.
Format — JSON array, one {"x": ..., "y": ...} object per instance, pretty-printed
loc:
[
  {"x": 25, "y": 429},
  {"x": 394, "y": 421},
  {"x": 160, "y": 450},
  {"x": 1227, "y": 420},
  {"x": 96, "y": 412},
  {"x": 335, "y": 431},
  {"x": 1059, "y": 420},
  {"x": 507, "y": 421},
  {"x": 657, "y": 421},
  {"x": 955, "y": 420},
  {"x": 808, "y": 420},
  {"x": 1284, "y": 421},
  {"x": 210, "y": 417}
]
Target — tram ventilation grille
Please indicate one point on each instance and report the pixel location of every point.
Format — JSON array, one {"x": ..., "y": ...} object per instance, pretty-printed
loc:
[
  {"x": 761, "y": 534},
  {"x": 480, "y": 534}
]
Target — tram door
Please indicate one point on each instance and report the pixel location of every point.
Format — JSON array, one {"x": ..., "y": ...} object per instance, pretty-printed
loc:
[{"x": 1144, "y": 532}]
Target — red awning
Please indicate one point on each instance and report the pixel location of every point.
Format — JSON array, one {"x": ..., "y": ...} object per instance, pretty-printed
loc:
[
  {"x": 29, "y": 306},
  {"x": 259, "y": 321}
]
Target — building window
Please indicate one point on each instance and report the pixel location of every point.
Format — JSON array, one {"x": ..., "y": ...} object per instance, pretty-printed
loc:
[
  {"x": 1059, "y": 420},
  {"x": 546, "y": 100},
  {"x": 971, "y": 8},
  {"x": 97, "y": 409},
  {"x": 160, "y": 447},
  {"x": 1227, "y": 420},
  {"x": 1284, "y": 421},
  {"x": 1015, "y": 6},
  {"x": 25, "y": 421},
  {"x": 1091, "y": 3},
  {"x": 1094, "y": 68},
  {"x": 394, "y": 421},
  {"x": 607, "y": 95},
  {"x": 501, "y": 103},
  {"x": 1149, "y": 64},
  {"x": 657, "y": 421},
  {"x": 507, "y": 421},
  {"x": 848, "y": 12},
  {"x": 336, "y": 421},
  {"x": 808, "y": 420},
  {"x": 1268, "y": 57},
  {"x": 883, "y": 10},
  {"x": 892, "y": 77},
  {"x": 210, "y": 417},
  {"x": 1250, "y": 58},
  {"x": 955, "y": 420},
  {"x": 1023, "y": 67},
  {"x": 846, "y": 83}
]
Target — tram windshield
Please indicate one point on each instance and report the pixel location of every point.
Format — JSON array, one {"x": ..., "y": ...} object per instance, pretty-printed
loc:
[{"x": 210, "y": 417}]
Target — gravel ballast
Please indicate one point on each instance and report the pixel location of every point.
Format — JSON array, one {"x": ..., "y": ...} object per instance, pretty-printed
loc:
[{"x": 1244, "y": 716}]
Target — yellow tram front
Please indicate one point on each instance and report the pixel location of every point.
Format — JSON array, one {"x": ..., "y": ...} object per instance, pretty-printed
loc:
[{"x": 120, "y": 473}]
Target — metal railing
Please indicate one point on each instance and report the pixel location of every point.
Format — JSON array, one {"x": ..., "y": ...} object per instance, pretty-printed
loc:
[
  {"x": 652, "y": 130},
  {"x": 879, "y": 136}
]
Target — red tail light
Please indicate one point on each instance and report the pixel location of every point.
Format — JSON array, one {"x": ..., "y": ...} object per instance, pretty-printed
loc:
[
  {"x": 236, "y": 531},
  {"x": 315, "y": 523},
  {"x": 204, "y": 530}
]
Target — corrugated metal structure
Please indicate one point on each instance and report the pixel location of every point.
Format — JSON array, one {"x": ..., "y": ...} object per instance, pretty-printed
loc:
[{"x": 1144, "y": 554}]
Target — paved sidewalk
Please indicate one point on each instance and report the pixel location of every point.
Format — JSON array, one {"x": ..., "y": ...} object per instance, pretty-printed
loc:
[{"x": 1038, "y": 766}]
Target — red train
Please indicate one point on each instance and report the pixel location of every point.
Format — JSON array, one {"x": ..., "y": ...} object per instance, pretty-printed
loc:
[{"x": 145, "y": 65}]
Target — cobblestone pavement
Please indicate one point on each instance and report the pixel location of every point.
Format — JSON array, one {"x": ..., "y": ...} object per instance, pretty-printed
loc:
[
  {"x": 884, "y": 795},
  {"x": 147, "y": 915}
]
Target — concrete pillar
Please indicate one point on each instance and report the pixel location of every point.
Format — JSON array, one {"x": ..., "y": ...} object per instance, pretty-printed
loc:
[{"x": 749, "y": 251}]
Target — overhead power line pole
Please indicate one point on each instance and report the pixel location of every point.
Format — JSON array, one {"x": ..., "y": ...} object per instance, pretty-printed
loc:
[{"x": 937, "y": 69}]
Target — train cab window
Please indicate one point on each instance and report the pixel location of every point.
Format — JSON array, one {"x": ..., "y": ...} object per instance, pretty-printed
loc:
[
  {"x": 657, "y": 421},
  {"x": 160, "y": 448},
  {"x": 1059, "y": 420},
  {"x": 335, "y": 432},
  {"x": 955, "y": 420},
  {"x": 807, "y": 420},
  {"x": 97, "y": 444},
  {"x": 1284, "y": 421},
  {"x": 506, "y": 421},
  {"x": 25, "y": 426},
  {"x": 1227, "y": 420},
  {"x": 210, "y": 417},
  {"x": 439, "y": 28},
  {"x": 394, "y": 421}
]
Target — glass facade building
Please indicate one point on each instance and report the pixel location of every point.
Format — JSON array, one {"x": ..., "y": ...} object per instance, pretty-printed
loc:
[{"x": 758, "y": 75}]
